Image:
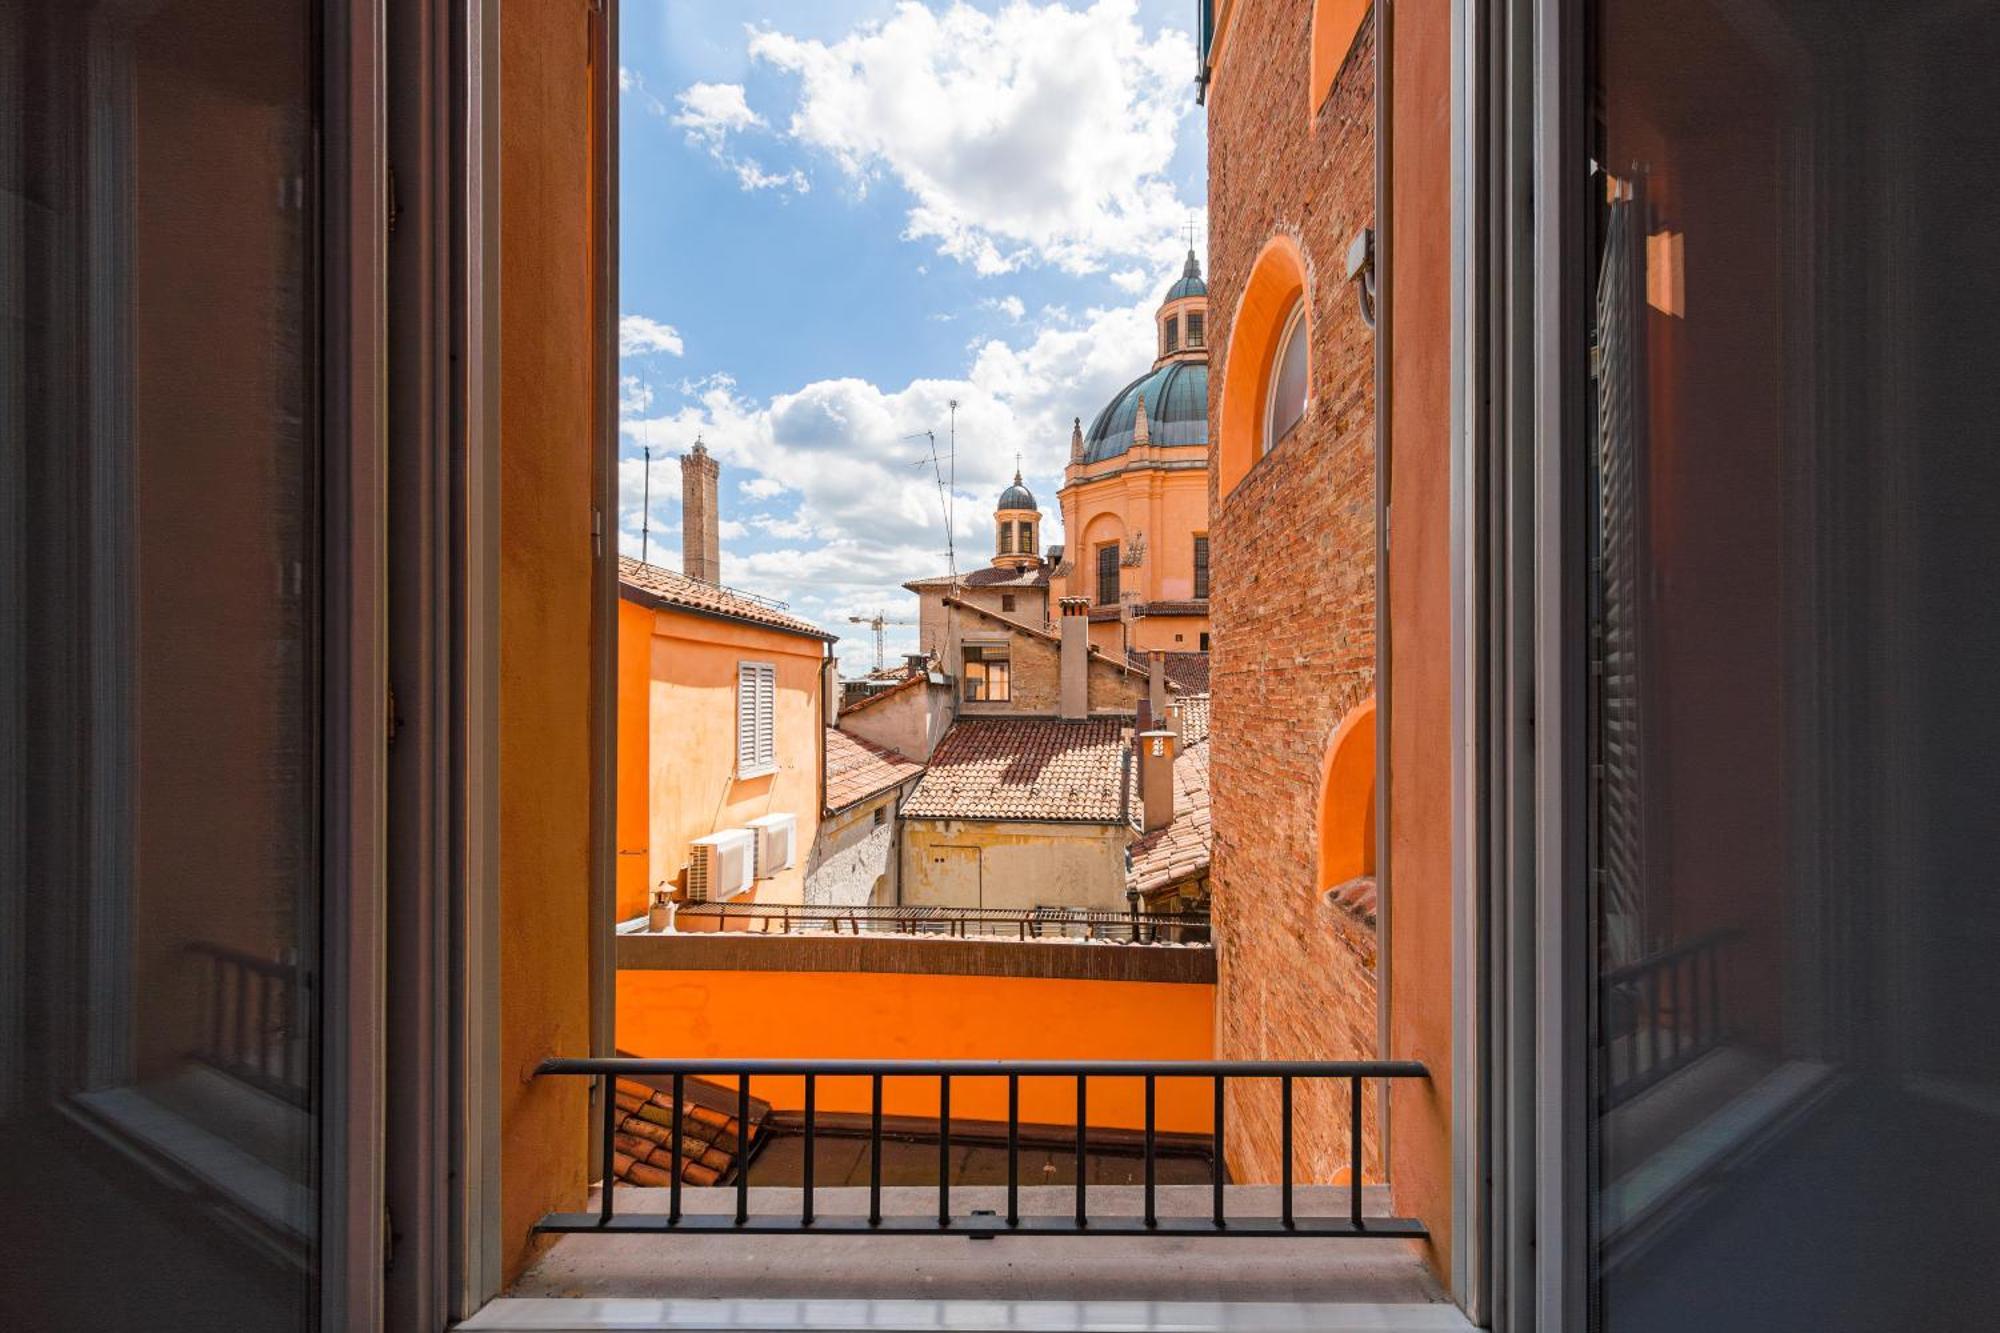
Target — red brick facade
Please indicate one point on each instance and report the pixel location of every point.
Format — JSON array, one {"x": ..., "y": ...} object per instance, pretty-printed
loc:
[{"x": 1293, "y": 591}]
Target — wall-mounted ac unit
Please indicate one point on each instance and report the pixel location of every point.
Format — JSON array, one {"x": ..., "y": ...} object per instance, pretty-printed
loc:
[
  {"x": 720, "y": 865},
  {"x": 777, "y": 843}
]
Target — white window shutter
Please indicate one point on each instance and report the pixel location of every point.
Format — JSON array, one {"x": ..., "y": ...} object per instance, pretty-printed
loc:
[{"x": 756, "y": 718}]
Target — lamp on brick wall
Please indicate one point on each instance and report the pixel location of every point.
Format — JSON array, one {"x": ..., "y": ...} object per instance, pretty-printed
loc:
[{"x": 1361, "y": 269}]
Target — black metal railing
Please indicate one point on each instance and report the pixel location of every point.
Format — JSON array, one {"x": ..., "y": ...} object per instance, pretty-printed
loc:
[
  {"x": 1079, "y": 1221},
  {"x": 251, "y": 1029},
  {"x": 1023, "y": 923},
  {"x": 1661, "y": 1014}
]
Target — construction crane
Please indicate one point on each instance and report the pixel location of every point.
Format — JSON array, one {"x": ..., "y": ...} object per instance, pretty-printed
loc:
[{"x": 879, "y": 622}]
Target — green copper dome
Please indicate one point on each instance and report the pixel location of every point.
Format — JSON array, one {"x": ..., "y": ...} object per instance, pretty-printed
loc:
[{"x": 1176, "y": 397}]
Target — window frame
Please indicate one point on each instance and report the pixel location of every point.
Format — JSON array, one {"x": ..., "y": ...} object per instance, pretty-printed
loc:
[
  {"x": 1294, "y": 326},
  {"x": 1170, "y": 335},
  {"x": 1201, "y": 570},
  {"x": 1111, "y": 571},
  {"x": 1002, "y": 656}
]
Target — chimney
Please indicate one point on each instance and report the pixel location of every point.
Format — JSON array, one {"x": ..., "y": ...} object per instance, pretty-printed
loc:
[
  {"x": 1075, "y": 675},
  {"x": 1156, "y": 684},
  {"x": 701, "y": 541},
  {"x": 917, "y": 664},
  {"x": 1156, "y": 778}
]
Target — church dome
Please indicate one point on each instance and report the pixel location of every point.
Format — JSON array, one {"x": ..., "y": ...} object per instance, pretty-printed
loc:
[
  {"x": 1017, "y": 496},
  {"x": 1176, "y": 397}
]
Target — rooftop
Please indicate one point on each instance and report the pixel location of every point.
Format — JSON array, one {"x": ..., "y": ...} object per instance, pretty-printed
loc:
[
  {"x": 1045, "y": 769},
  {"x": 1180, "y": 851},
  {"x": 857, "y": 769},
  {"x": 667, "y": 589},
  {"x": 1186, "y": 672},
  {"x": 989, "y": 577}
]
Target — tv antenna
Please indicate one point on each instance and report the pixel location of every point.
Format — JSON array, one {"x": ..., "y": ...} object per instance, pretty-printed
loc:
[{"x": 646, "y": 501}]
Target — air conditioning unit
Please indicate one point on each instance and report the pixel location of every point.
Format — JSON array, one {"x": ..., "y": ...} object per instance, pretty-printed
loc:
[
  {"x": 777, "y": 843},
  {"x": 720, "y": 865}
]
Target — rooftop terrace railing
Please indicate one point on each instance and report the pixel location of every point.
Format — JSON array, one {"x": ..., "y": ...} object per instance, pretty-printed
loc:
[
  {"x": 252, "y": 1029},
  {"x": 945, "y": 1219},
  {"x": 1661, "y": 1014},
  {"x": 1032, "y": 923}
]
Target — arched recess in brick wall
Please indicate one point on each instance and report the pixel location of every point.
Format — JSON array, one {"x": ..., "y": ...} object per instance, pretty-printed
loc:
[
  {"x": 1347, "y": 800},
  {"x": 1277, "y": 283},
  {"x": 1334, "y": 24}
]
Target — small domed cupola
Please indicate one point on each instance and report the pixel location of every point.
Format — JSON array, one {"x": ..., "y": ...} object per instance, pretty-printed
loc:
[
  {"x": 1183, "y": 316},
  {"x": 1017, "y": 527}
]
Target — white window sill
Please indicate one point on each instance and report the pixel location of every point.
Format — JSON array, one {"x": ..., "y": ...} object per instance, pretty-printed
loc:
[{"x": 519, "y": 1314}]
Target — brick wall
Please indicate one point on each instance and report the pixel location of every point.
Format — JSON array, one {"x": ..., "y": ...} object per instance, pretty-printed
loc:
[{"x": 1293, "y": 591}]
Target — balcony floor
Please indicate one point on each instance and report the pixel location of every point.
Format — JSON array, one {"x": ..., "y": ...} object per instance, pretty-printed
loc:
[{"x": 1016, "y": 1282}]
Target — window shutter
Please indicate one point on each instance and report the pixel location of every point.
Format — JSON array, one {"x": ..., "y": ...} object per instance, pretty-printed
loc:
[{"x": 756, "y": 719}]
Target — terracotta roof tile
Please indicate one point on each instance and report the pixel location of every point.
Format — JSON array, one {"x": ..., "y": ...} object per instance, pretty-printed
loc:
[
  {"x": 642, "y": 1141},
  {"x": 1180, "y": 851},
  {"x": 990, "y": 577},
  {"x": 1194, "y": 719},
  {"x": 1028, "y": 768},
  {"x": 654, "y": 586},
  {"x": 1187, "y": 672},
  {"x": 857, "y": 769}
]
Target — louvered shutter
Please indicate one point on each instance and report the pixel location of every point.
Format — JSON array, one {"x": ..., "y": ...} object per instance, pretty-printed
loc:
[
  {"x": 756, "y": 719},
  {"x": 1619, "y": 366}
]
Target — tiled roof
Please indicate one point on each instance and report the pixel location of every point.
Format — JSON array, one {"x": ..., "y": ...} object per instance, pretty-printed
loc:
[
  {"x": 1187, "y": 672},
  {"x": 642, "y": 1145},
  {"x": 1194, "y": 719},
  {"x": 990, "y": 577},
  {"x": 1195, "y": 607},
  {"x": 1027, "y": 768},
  {"x": 651, "y": 585},
  {"x": 1180, "y": 851},
  {"x": 857, "y": 769}
]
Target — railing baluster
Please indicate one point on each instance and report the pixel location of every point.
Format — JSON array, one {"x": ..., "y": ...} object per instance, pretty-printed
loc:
[
  {"x": 1217, "y": 1173},
  {"x": 680, "y": 1121},
  {"x": 1285, "y": 1110},
  {"x": 1082, "y": 1152},
  {"x": 1152, "y": 1213},
  {"x": 608, "y": 1090},
  {"x": 1354, "y": 1152},
  {"x": 875, "y": 1154},
  {"x": 742, "y": 1149},
  {"x": 1013, "y": 1150},
  {"x": 944, "y": 1150},
  {"x": 806, "y": 1213}
]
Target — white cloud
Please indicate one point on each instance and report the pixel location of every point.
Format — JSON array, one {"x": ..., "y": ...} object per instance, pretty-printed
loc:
[
  {"x": 710, "y": 113},
  {"x": 1010, "y": 306},
  {"x": 631, "y": 82},
  {"x": 635, "y": 396},
  {"x": 1041, "y": 133},
  {"x": 639, "y": 335},
  {"x": 868, "y": 514}
]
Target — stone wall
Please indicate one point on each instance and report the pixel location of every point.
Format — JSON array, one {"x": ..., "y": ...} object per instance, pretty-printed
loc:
[
  {"x": 853, "y": 861},
  {"x": 1293, "y": 587}
]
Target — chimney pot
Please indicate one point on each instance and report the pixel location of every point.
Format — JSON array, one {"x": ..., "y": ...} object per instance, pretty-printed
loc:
[{"x": 1074, "y": 674}]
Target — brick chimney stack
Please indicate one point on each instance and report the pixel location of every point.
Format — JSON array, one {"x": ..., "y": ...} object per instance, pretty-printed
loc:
[
  {"x": 1156, "y": 778},
  {"x": 1075, "y": 671},
  {"x": 701, "y": 539}
]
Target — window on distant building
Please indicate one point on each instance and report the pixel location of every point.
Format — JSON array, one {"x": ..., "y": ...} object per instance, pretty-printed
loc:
[
  {"x": 986, "y": 675},
  {"x": 1288, "y": 381},
  {"x": 1027, "y": 545},
  {"x": 1201, "y": 565},
  {"x": 1006, "y": 601},
  {"x": 1170, "y": 334},
  {"x": 756, "y": 719},
  {"x": 1195, "y": 333},
  {"x": 1107, "y": 574},
  {"x": 1007, "y": 538},
  {"x": 1204, "y": 643}
]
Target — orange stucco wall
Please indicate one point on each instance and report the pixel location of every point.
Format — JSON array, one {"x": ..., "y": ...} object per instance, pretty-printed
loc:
[
  {"x": 903, "y": 1016},
  {"x": 1347, "y": 800},
  {"x": 1419, "y": 595},
  {"x": 677, "y": 745},
  {"x": 1116, "y": 501},
  {"x": 546, "y": 483}
]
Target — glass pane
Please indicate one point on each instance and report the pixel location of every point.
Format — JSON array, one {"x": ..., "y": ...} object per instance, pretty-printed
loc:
[
  {"x": 1288, "y": 382},
  {"x": 1792, "y": 508},
  {"x": 159, "y": 892}
]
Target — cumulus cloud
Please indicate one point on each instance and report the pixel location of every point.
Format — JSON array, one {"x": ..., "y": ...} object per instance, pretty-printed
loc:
[
  {"x": 1038, "y": 134},
  {"x": 710, "y": 113},
  {"x": 635, "y": 396},
  {"x": 639, "y": 335},
  {"x": 633, "y": 84},
  {"x": 866, "y": 513}
]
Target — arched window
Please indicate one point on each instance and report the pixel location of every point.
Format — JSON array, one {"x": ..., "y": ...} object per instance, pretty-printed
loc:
[{"x": 1287, "y": 403}]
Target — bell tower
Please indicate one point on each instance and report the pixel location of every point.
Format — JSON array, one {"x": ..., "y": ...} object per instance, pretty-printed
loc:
[{"x": 1017, "y": 527}]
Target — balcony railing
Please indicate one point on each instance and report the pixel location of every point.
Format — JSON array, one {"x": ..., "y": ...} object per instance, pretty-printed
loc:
[
  {"x": 1081, "y": 1221},
  {"x": 253, "y": 1026},
  {"x": 1661, "y": 1014},
  {"x": 1032, "y": 923}
]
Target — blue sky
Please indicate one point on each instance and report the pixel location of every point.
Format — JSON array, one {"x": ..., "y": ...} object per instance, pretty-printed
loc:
[{"x": 840, "y": 215}]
